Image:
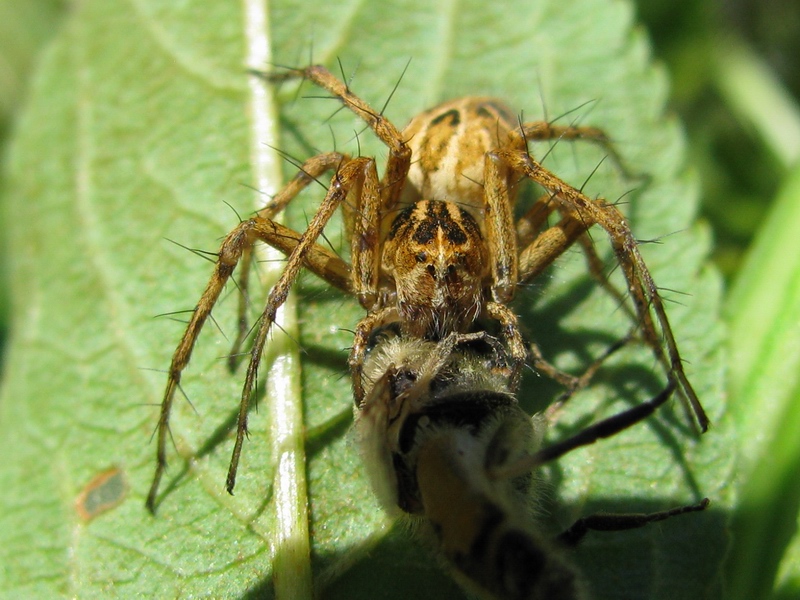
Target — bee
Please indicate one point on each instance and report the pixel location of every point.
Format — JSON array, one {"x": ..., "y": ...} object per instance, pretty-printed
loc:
[{"x": 446, "y": 445}]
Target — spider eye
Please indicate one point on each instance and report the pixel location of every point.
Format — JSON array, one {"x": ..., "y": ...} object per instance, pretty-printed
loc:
[{"x": 422, "y": 257}]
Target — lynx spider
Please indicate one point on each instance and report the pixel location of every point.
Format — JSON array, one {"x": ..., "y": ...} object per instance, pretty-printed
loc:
[{"x": 433, "y": 242}]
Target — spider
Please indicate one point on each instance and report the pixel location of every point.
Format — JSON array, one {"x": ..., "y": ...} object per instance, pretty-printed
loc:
[
  {"x": 447, "y": 447},
  {"x": 433, "y": 242}
]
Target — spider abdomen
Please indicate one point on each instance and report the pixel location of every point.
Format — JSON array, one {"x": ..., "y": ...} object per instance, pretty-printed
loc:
[{"x": 448, "y": 145}]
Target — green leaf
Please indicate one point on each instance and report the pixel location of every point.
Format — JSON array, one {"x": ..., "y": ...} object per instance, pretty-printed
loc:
[{"x": 142, "y": 125}]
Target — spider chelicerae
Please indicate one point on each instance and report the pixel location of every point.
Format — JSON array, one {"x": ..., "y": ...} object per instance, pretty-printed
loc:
[{"x": 434, "y": 244}]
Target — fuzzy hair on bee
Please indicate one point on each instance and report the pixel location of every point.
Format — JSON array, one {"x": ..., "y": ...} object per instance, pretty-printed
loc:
[
  {"x": 437, "y": 418},
  {"x": 437, "y": 428}
]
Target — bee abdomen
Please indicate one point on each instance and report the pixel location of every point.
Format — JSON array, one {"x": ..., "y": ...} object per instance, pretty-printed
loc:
[{"x": 487, "y": 544}]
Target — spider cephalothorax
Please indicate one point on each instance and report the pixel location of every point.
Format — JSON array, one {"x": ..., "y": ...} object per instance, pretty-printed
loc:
[{"x": 436, "y": 257}]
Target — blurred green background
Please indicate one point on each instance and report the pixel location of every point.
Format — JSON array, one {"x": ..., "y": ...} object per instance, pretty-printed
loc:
[
  {"x": 736, "y": 86},
  {"x": 722, "y": 55}
]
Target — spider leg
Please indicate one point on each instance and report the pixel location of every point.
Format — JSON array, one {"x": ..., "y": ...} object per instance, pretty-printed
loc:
[
  {"x": 503, "y": 258},
  {"x": 350, "y": 175},
  {"x": 372, "y": 321},
  {"x": 307, "y": 173},
  {"x": 596, "y": 270},
  {"x": 229, "y": 254},
  {"x": 517, "y": 348},
  {"x": 500, "y": 233},
  {"x": 530, "y": 224},
  {"x": 324, "y": 263},
  {"x": 506, "y": 264},
  {"x": 583, "y": 212},
  {"x": 303, "y": 251},
  {"x": 574, "y": 384},
  {"x": 399, "y": 153},
  {"x": 545, "y": 247},
  {"x": 245, "y": 263},
  {"x": 363, "y": 219},
  {"x": 529, "y": 227},
  {"x": 541, "y": 131}
]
